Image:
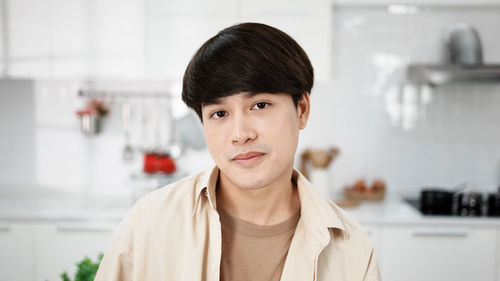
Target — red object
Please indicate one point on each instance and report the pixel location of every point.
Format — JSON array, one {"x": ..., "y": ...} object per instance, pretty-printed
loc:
[{"x": 155, "y": 163}]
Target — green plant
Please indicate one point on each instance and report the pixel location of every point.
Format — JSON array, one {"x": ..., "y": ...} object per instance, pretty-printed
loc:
[{"x": 86, "y": 270}]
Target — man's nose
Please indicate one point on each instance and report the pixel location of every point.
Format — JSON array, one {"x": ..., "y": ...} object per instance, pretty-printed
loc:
[{"x": 243, "y": 129}]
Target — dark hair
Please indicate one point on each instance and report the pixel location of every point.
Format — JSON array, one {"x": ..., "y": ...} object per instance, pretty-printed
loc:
[{"x": 247, "y": 57}]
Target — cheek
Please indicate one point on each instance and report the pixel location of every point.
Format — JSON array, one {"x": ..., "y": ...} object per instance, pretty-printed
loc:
[
  {"x": 214, "y": 141},
  {"x": 284, "y": 134}
]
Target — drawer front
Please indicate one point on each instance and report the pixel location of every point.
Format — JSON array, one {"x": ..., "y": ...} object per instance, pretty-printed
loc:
[
  {"x": 59, "y": 247},
  {"x": 16, "y": 252},
  {"x": 438, "y": 253}
]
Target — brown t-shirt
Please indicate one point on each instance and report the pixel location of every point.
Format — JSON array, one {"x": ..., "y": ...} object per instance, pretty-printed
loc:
[{"x": 253, "y": 252}]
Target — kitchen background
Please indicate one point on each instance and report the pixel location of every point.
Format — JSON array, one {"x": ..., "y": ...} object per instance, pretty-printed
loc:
[{"x": 131, "y": 54}]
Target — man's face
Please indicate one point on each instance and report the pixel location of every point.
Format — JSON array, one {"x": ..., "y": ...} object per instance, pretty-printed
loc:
[{"x": 253, "y": 138}]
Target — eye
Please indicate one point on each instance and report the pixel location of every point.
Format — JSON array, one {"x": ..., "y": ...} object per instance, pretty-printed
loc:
[
  {"x": 218, "y": 114},
  {"x": 261, "y": 105}
]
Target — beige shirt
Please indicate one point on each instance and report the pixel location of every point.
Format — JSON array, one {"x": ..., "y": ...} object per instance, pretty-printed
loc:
[{"x": 174, "y": 233}]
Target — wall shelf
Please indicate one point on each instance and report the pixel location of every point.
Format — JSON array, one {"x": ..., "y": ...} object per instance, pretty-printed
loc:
[{"x": 438, "y": 74}]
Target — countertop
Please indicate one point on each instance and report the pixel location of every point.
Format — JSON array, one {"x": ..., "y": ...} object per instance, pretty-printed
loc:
[
  {"x": 50, "y": 206},
  {"x": 31, "y": 205},
  {"x": 394, "y": 210}
]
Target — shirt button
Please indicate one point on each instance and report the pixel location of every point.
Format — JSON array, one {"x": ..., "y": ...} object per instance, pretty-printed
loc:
[{"x": 206, "y": 193}]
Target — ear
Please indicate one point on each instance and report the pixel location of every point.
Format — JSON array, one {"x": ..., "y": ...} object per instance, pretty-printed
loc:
[{"x": 303, "y": 110}]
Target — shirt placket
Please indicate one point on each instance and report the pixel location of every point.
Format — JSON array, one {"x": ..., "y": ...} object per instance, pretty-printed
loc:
[{"x": 215, "y": 243}]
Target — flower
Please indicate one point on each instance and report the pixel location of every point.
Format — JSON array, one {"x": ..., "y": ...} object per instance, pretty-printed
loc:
[{"x": 95, "y": 107}]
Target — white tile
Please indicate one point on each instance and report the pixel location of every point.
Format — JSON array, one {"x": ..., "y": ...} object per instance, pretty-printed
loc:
[
  {"x": 455, "y": 136},
  {"x": 312, "y": 33},
  {"x": 285, "y": 8},
  {"x": 191, "y": 7},
  {"x": 17, "y": 138},
  {"x": 172, "y": 41},
  {"x": 69, "y": 23},
  {"x": 29, "y": 28}
]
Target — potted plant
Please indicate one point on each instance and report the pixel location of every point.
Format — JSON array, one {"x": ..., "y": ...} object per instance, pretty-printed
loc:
[
  {"x": 86, "y": 270},
  {"x": 90, "y": 116}
]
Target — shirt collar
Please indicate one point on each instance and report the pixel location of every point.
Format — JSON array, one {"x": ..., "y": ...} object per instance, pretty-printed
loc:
[
  {"x": 205, "y": 187},
  {"x": 318, "y": 213}
]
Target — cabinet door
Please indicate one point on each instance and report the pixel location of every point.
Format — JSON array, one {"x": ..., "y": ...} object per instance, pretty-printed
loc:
[
  {"x": 60, "y": 247},
  {"x": 438, "y": 253},
  {"x": 374, "y": 232},
  {"x": 497, "y": 261},
  {"x": 16, "y": 252}
]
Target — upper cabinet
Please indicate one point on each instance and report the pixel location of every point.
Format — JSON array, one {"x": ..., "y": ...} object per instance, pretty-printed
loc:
[
  {"x": 419, "y": 2},
  {"x": 28, "y": 36},
  {"x": 75, "y": 38},
  {"x": 179, "y": 7},
  {"x": 285, "y": 7},
  {"x": 176, "y": 29},
  {"x": 145, "y": 39}
]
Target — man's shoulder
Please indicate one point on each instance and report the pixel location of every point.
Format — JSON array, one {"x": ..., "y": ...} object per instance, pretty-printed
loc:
[
  {"x": 355, "y": 234},
  {"x": 332, "y": 215},
  {"x": 350, "y": 248},
  {"x": 351, "y": 224}
]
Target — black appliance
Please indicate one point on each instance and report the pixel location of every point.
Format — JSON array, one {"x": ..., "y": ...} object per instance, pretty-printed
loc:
[
  {"x": 435, "y": 201},
  {"x": 494, "y": 204}
]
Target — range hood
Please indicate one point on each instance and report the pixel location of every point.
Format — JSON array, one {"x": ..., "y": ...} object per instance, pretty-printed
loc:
[
  {"x": 463, "y": 63},
  {"x": 438, "y": 74}
]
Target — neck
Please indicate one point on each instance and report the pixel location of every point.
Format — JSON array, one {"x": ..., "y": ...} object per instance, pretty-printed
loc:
[{"x": 266, "y": 205}]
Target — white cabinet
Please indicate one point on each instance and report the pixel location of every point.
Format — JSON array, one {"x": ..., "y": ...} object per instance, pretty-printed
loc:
[
  {"x": 192, "y": 7},
  {"x": 173, "y": 40},
  {"x": 76, "y": 38},
  {"x": 176, "y": 29},
  {"x": 497, "y": 262},
  {"x": 16, "y": 247},
  {"x": 374, "y": 232},
  {"x": 59, "y": 247},
  {"x": 418, "y": 2},
  {"x": 438, "y": 253},
  {"x": 37, "y": 252}
]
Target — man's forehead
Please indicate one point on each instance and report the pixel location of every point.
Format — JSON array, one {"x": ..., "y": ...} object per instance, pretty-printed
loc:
[{"x": 221, "y": 100}]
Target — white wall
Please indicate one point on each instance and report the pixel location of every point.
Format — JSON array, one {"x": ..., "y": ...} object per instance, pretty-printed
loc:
[
  {"x": 409, "y": 137},
  {"x": 17, "y": 126}
]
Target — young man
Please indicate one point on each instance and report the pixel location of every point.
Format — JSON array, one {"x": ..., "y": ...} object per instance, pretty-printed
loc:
[{"x": 251, "y": 217}]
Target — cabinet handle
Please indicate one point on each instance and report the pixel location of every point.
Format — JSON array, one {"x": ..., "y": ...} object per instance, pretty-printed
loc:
[
  {"x": 4, "y": 228},
  {"x": 440, "y": 233},
  {"x": 84, "y": 228}
]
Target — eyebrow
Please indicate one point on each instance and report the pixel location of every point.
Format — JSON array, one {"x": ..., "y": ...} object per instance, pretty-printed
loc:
[{"x": 219, "y": 100}]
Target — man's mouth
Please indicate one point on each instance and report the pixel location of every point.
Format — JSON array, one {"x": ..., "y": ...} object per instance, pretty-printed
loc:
[
  {"x": 248, "y": 155},
  {"x": 249, "y": 158}
]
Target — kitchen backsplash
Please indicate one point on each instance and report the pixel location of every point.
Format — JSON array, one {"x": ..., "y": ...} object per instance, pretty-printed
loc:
[{"x": 410, "y": 136}]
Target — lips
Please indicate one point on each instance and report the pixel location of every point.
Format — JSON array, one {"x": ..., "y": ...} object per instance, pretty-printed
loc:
[
  {"x": 248, "y": 155},
  {"x": 249, "y": 159}
]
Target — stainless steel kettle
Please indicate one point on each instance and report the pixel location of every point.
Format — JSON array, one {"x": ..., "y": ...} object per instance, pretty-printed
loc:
[{"x": 463, "y": 44}]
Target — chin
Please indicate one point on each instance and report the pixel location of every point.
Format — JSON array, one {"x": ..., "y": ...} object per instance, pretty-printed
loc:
[
  {"x": 248, "y": 179},
  {"x": 249, "y": 184}
]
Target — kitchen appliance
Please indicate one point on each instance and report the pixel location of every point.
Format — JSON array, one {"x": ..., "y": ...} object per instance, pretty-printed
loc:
[
  {"x": 436, "y": 201},
  {"x": 463, "y": 45},
  {"x": 494, "y": 204},
  {"x": 456, "y": 202},
  {"x": 463, "y": 60},
  {"x": 469, "y": 204},
  {"x": 158, "y": 163}
]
